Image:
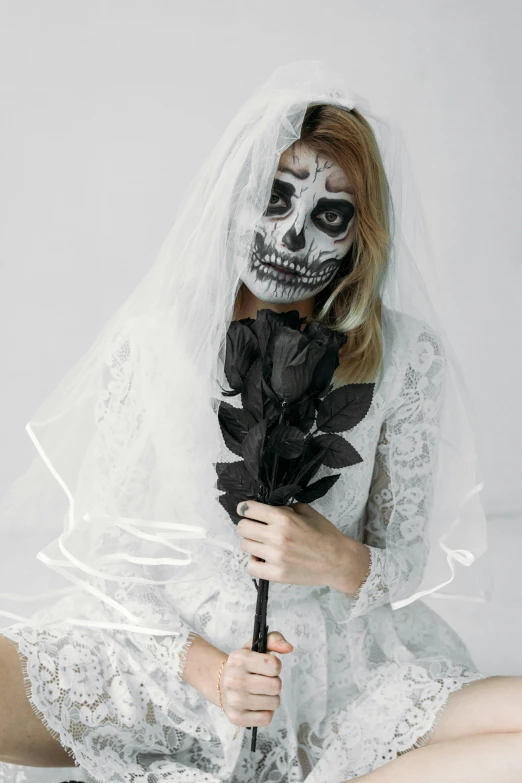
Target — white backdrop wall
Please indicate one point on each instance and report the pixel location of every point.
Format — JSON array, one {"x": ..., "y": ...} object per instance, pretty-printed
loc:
[{"x": 107, "y": 107}]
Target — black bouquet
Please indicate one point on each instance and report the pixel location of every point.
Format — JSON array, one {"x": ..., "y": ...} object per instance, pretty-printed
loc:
[{"x": 284, "y": 377}]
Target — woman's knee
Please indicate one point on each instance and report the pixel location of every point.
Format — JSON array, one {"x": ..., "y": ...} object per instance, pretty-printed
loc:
[
  {"x": 24, "y": 738},
  {"x": 487, "y": 706}
]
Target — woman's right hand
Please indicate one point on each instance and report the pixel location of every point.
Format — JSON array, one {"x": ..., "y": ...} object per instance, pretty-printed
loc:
[{"x": 250, "y": 682}]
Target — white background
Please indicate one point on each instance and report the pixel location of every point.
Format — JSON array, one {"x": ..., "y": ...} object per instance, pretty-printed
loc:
[{"x": 107, "y": 109}]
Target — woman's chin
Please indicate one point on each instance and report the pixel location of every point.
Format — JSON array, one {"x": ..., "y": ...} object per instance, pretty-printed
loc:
[{"x": 271, "y": 292}]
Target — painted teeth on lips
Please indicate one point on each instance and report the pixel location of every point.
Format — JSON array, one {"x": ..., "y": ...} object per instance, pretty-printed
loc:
[
  {"x": 269, "y": 258},
  {"x": 281, "y": 263}
]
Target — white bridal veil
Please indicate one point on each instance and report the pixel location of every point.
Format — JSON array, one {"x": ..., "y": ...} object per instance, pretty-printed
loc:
[{"x": 120, "y": 498}]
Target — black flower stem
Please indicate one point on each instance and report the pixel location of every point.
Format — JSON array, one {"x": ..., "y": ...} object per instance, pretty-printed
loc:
[
  {"x": 260, "y": 627},
  {"x": 310, "y": 436}
]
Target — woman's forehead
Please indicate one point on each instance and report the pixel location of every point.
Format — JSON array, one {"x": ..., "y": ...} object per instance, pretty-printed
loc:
[{"x": 302, "y": 163}]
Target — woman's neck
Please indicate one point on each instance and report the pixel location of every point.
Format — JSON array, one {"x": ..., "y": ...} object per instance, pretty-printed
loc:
[{"x": 247, "y": 306}]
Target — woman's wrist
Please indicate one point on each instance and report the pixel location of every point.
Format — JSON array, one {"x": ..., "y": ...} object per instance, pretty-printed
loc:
[
  {"x": 352, "y": 565},
  {"x": 202, "y": 666}
]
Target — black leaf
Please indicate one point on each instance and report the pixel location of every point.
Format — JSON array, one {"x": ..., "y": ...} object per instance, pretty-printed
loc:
[
  {"x": 317, "y": 489},
  {"x": 235, "y": 424},
  {"x": 286, "y": 441},
  {"x": 344, "y": 407},
  {"x": 281, "y": 495},
  {"x": 234, "y": 477},
  {"x": 339, "y": 453},
  {"x": 253, "y": 447},
  {"x": 230, "y": 503},
  {"x": 311, "y": 463}
]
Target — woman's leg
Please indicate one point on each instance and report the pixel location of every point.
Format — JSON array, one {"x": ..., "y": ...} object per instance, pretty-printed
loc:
[
  {"x": 484, "y": 758},
  {"x": 477, "y": 738},
  {"x": 492, "y": 705},
  {"x": 24, "y": 739}
]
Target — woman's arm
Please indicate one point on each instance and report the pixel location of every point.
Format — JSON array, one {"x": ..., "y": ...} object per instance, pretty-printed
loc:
[
  {"x": 371, "y": 591},
  {"x": 202, "y": 665},
  {"x": 355, "y": 561},
  {"x": 399, "y": 507}
]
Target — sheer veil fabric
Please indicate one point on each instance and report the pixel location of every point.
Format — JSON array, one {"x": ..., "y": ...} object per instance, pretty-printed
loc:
[{"x": 115, "y": 505}]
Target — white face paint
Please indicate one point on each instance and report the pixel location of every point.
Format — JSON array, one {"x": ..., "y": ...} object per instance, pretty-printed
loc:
[{"x": 307, "y": 229}]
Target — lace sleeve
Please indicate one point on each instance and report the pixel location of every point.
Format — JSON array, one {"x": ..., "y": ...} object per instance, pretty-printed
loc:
[
  {"x": 373, "y": 591},
  {"x": 405, "y": 449}
]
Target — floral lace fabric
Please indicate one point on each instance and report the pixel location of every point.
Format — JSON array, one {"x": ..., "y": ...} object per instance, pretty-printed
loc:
[{"x": 363, "y": 684}]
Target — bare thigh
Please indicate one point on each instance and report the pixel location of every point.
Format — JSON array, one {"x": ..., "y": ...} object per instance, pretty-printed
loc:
[
  {"x": 24, "y": 739},
  {"x": 489, "y": 706}
]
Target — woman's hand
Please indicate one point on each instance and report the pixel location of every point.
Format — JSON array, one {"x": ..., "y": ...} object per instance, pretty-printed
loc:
[
  {"x": 300, "y": 546},
  {"x": 250, "y": 682}
]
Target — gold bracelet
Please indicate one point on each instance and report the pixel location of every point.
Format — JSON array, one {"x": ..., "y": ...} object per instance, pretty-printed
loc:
[
  {"x": 219, "y": 693},
  {"x": 219, "y": 684}
]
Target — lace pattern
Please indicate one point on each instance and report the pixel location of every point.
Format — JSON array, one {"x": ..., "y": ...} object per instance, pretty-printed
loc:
[{"x": 413, "y": 421}]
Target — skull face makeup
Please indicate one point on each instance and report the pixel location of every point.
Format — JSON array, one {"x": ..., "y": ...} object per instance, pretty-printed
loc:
[{"x": 306, "y": 230}]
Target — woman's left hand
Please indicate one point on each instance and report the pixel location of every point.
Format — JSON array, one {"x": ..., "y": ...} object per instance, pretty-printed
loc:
[{"x": 299, "y": 545}]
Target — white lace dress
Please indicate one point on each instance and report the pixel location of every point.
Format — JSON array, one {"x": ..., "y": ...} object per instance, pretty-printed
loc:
[{"x": 363, "y": 684}]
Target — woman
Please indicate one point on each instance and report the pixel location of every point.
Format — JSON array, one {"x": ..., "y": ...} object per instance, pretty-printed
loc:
[{"x": 144, "y": 671}]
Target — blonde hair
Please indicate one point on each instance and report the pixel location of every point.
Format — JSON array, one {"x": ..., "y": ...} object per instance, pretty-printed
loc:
[{"x": 351, "y": 303}]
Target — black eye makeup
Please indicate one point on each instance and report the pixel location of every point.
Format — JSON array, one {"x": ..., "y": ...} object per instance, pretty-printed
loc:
[
  {"x": 330, "y": 215},
  {"x": 332, "y": 219},
  {"x": 333, "y": 215},
  {"x": 280, "y": 199}
]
